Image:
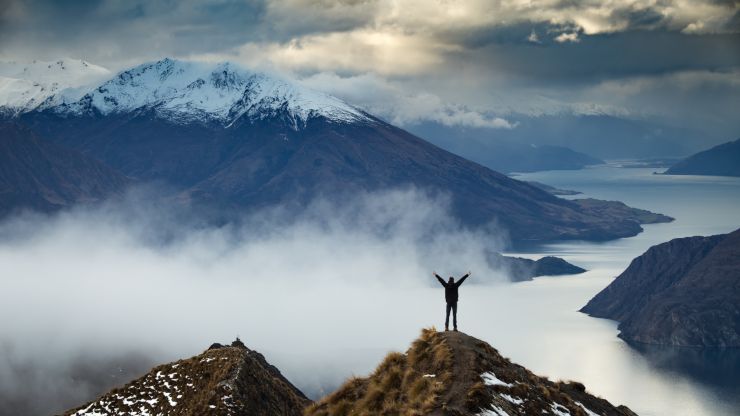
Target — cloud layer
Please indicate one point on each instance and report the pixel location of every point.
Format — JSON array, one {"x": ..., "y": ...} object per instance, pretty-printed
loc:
[{"x": 131, "y": 283}]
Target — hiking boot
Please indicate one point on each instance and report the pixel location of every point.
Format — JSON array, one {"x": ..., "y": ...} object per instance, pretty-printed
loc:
[
  {"x": 447, "y": 329},
  {"x": 455, "y": 329}
]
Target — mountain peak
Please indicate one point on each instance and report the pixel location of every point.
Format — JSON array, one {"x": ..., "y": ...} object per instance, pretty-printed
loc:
[
  {"x": 451, "y": 373},
  {"x": 224, "y": 92},
  {"x": 223, "y": 380}
]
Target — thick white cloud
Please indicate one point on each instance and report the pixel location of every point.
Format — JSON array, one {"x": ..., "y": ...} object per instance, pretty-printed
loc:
[{"x": 307, "y": 290}]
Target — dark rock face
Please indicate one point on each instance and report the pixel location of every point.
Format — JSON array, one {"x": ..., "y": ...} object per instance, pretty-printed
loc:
[
  {"x": 685, "y": 292},
  {"x": 451, "y": 373},
  {"x": 521, "y": 269},
  {"x": 229, "y": 380},
  {"x": 44, "y": 176},
  {"x": 722, "y": 160},
  {"x": 253, "y": 164}
]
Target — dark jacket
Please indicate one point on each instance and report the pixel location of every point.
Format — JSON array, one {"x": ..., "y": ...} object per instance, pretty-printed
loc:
[{"x": 451, "y": 295}]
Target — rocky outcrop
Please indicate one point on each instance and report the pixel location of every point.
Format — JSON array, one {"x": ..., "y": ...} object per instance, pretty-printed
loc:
[
  {"x": 685, "y": 292},
  {"x": 451, "y": 373},
  {"x": 521, "y": 269},
  {"x": 223, "y": 380},
  {"x": 722, "y": 160}
]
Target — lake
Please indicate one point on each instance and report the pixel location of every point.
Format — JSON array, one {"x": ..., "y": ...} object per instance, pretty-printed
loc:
[{"x": 553, "y": 339}]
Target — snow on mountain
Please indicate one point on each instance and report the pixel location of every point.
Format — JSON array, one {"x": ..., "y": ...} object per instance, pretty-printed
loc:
[
  {"x": 206, "y": 92},
  {"x": 26, "y": 85},
  {"x": 71, "y": 72}
]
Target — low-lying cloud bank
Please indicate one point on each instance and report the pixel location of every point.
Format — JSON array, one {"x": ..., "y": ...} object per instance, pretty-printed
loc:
[{"x": 323, "y": 293}]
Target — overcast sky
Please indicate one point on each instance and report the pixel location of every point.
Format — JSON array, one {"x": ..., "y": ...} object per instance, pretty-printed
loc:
[{"x": 458, "y": 62}]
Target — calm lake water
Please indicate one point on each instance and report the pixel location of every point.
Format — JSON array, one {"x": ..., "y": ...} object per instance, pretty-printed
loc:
[{"x": 550, "y": 337}]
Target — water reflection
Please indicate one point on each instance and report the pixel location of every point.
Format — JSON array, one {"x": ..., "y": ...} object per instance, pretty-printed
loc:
[{"x": 716, "y": 368}]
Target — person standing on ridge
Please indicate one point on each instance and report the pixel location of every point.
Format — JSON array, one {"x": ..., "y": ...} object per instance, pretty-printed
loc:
[{"x": 451, "y": 297}]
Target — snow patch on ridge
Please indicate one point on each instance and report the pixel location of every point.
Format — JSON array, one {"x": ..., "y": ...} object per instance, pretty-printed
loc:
[
  {"x": 493, "y": 411},
  {"x": 490, "y": 379}
]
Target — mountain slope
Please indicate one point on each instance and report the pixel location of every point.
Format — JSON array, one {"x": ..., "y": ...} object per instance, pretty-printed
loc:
[
  {"x": 223, "y": 380},
  {"x": 685, "y": 292},
  {"x": 722, "y": 160},
  {"x": 450, "y": 373},
  {"x": 226, "y": 137},
  {"x": 44, "y": 176}
]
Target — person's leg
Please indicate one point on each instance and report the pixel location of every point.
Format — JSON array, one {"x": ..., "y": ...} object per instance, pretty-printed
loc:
[
  {"x": 447, "y": 317},
  {"x": 454, "y": 315}
]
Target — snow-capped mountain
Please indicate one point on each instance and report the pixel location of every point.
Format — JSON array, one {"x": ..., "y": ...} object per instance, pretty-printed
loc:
[
  {"x": 231, "y": 140},
  {"x": 26, "y": 85},
  {"x": 207, "y": 92}
]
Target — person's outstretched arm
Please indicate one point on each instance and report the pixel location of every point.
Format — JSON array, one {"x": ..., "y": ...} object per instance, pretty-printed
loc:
[
  {"x": 440, "y": 279},
  {"x": 462, "y": 279}
]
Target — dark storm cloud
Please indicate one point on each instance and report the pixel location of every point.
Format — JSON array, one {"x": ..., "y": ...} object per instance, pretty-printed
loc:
[
  {"x": 606, "y": 56},
  {"x": 126, "y": 30}
]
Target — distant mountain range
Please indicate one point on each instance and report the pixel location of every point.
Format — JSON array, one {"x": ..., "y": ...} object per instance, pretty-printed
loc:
[
  {"x": 501, "y": 154},
  {"x": 722, "y": 160},
  {"x": 600, "y": 136},
  {"x": 226, "y": 137},
  {"x": 442, "y": 373},
  {"x": 685, "y": 292}
]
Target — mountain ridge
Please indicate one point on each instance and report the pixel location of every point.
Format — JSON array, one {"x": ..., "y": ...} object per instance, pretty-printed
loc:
[
  {"x": 442, "y": 373},
  {"x": 190, "y": 91}
]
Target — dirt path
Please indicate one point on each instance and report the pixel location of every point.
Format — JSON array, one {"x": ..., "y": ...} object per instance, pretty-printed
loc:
[{"x": 464, "y": 374}]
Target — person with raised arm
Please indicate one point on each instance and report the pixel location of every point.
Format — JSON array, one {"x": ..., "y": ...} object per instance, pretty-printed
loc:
[{"x": 451, "y": 297}]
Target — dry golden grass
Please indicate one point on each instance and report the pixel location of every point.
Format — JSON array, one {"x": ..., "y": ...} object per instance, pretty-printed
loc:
[{"x": 398, "y": 386}]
